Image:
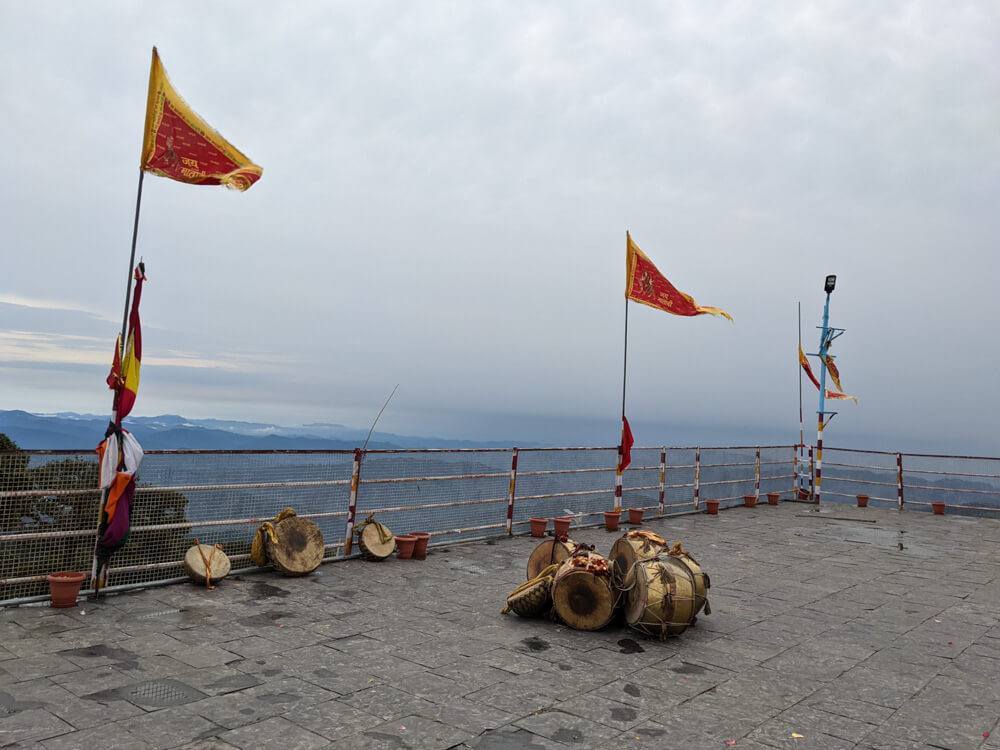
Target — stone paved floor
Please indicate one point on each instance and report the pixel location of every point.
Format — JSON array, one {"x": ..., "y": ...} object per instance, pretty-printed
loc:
[{"x": 821, "y": 627}]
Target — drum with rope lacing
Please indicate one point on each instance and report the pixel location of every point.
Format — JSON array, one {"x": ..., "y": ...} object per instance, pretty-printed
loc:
[
  {"x": 582, "y": 594},
  {"x": 547, "y": 553}
]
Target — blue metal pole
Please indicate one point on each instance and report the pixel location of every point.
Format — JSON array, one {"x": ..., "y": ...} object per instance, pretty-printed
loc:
[{"x": 824, "y": 345}]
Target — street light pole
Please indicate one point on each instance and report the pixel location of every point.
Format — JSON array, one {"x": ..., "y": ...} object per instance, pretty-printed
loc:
[{"x": 824, "y": 345}]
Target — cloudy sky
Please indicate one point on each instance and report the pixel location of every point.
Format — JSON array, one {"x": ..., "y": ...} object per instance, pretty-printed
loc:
[{"x": 444, "y": 203}]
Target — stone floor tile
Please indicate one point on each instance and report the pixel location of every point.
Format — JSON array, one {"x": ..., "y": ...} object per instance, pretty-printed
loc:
[{"x": 274, "y": 732}]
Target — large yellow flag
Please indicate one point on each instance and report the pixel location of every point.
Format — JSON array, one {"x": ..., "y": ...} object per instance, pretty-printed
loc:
[{"x": 180, "y": 145}]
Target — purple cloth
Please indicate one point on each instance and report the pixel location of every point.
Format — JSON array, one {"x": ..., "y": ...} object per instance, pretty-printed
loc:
[{"x": 118, "y": 527}]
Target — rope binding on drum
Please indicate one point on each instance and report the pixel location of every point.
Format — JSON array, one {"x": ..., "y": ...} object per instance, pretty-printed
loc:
[
  {"x": 384, "y": 535},
  {"x": 546, "y": 576},
  {"x": 208, "y": 562},
  {"x": 258, "y": 550}
]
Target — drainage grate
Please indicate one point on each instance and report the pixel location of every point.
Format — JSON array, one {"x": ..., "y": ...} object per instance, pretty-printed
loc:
[{"x": 161, "y": 693}]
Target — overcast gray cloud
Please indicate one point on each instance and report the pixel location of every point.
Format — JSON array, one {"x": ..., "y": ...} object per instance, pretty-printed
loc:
[{"x": 444, "y": 203}]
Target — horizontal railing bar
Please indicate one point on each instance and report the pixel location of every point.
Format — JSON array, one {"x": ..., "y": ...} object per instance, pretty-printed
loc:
[
  {"x": 396, "y": 480},
  {"x": 563, "y": 471},
  {"x": 909, "y": 486},
  {"x": 833, "y": 478},
  {"x": 401, "y": 508},
  {"x": 953, "y": 473},
  {"x": 566, "y": 494}
]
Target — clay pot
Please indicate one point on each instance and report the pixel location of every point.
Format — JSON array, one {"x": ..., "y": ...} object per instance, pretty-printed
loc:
[
  {"x": 404, "y": 546},
  {"x": 938, "y": 508},
  {"x": 749, "y": 500},
  {"x": 420, "y": 545},
  {"x": 611, "y": 519},
  {"x": 772, "y": 498},
  {"x": 538, "y": 526},
  {"x": 804, "y": 494},
  {"x": 65, "y": 587},
  {"x": 862, "y": 501},
  {"x": 562, "y": 526},
  {"x": 635, "y": 516},
  {"x": 712, "y": 507}
]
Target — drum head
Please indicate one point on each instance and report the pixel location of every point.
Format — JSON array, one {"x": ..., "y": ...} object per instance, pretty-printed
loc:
[
  {"x": 300, "y": 546},
  {"x": 637, "y": 596},
  {"x": 622, "y": 557},
  {"x": 195, "y": 565},
  {"x": 582, "y": 600},
  {"x": 373, "y": 541},
  {"x": 547, "y": 553}
]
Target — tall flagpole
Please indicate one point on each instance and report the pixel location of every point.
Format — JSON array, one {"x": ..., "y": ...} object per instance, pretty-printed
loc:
[
  {"x": 621, "y": 442},
  {"x": 801, "y": 448},
  {"x": 824, "y": 345},
  {"x": 95, "y": 584}
]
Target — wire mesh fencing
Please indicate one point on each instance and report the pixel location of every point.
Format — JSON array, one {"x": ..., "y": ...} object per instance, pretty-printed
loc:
[{"x": 49, "y": 500}]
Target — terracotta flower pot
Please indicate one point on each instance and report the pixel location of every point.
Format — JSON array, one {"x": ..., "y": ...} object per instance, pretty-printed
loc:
[
  {"x": 404, "y": 546},
  {"x": 712, "y": 507},
  {"x": 772, "y": 498},
  {"x": 611, "y": 519},
  {"x": 635, "y": 516},
  {"x": 562, "y": 526},
  {"x": 804, "y": 494},
  {"x": 538, "y": 526},
  {"x": 65, "y": 587},
  {"x": 862, "y": 501},
  {"x": 420, "y": 545},
  {"x": 938, "y": 508},
  {"x": 749, "y": 500}
]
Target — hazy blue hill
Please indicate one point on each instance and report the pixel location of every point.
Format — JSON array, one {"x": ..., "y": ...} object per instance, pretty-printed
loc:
[{"x": 70, "y": 431}]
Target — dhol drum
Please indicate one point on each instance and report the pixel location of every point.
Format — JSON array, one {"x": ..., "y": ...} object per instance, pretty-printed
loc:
[
  {"x": 299, "y": 549},
  {"x": 702, "y": 583},
  {"x": 534, "y": 598},
  {"x": 547, "y": 553},
  {"x": 635, "y": 546},
  {"x": 582, "y": 594},
  {"x": 375, "y": 541},
  {"x": 663, "y": 599},
  {"x": 205, "y": 564}
]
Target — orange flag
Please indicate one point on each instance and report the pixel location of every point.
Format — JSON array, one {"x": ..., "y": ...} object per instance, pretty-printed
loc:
[
  {"x": 180, "y": 145},
  {"x": 834, "y": 372},
  {"x": 645, "y": 284},
  {"x": 805, "y": 366}
]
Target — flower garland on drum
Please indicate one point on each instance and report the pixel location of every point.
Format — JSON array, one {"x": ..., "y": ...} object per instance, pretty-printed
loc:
[
  {"x": 649, "y": 536},
  {"x": 591, "y": 562}
]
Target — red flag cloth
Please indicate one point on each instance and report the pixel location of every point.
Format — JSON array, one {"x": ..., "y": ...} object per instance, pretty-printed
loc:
[
  {"x": 805, "y": 366},
  {"x": 125, "y": 371},
  {"x": 627, "y": 442},
  {"x": 645, "y": 284},
  {"x": 180, "y": 145}
]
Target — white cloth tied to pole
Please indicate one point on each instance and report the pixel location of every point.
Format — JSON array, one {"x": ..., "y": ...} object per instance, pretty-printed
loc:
[{"x": 131, "y": 451}]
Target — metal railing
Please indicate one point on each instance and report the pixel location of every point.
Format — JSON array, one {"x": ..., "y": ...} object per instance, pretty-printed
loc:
[
  {"x": 969, "y": 485},
  {"x": 49, "y": 502}
]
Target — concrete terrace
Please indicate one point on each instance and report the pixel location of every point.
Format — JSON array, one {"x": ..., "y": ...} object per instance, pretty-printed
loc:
[{"x": 852, "y": 628}]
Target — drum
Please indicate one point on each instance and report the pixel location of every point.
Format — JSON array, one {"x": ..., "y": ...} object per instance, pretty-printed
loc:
[
  {"x": 299, "y": 549},
  {"x": 217, "y": 566},
  {"x": 375, "y": 541},
  {"x": 533, "y": 598},
  {"x": 663, "y": 600},
  {"x": 582, "y": 594},
  {"x": 702, "y": 583},
  {"x": 635, "y": 546},
  {"x": 548, "y": 552}
]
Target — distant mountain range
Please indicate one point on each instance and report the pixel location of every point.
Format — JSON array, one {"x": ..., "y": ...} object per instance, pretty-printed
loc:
[{"x": 71, "y": 431}]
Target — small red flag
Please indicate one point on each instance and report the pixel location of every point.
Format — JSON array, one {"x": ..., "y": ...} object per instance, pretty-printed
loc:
[{"x": 627, "y": 442}]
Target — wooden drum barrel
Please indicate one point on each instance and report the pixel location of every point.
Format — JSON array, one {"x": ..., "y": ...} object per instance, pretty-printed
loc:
[
  {"x": 664, "y": 599},
  {"x": 375, "y": 541},
  {"x": 300, "y": 546},
  {"x": 548, "y": 552},
  {"x": 194, "y": 563},
  {"x": 582, "y": 594},
  {"x": 633, "y": 547}
]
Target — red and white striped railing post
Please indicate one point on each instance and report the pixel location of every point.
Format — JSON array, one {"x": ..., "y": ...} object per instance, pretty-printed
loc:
[
  {"x": 899, "y": 479},
  {"x": 812, "y": 474},
  {"x": 818, "y": 484},
  {"x": 795, "y": 474},
  {"x": 756, "y": 475},
  {"x": 510, "y": 491},
  {"x": 352, "y": 505},
  {"x": 697, "y": 475},
  {"x": 663, "y": 474},
  {"x": 618, "y": 481}
]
